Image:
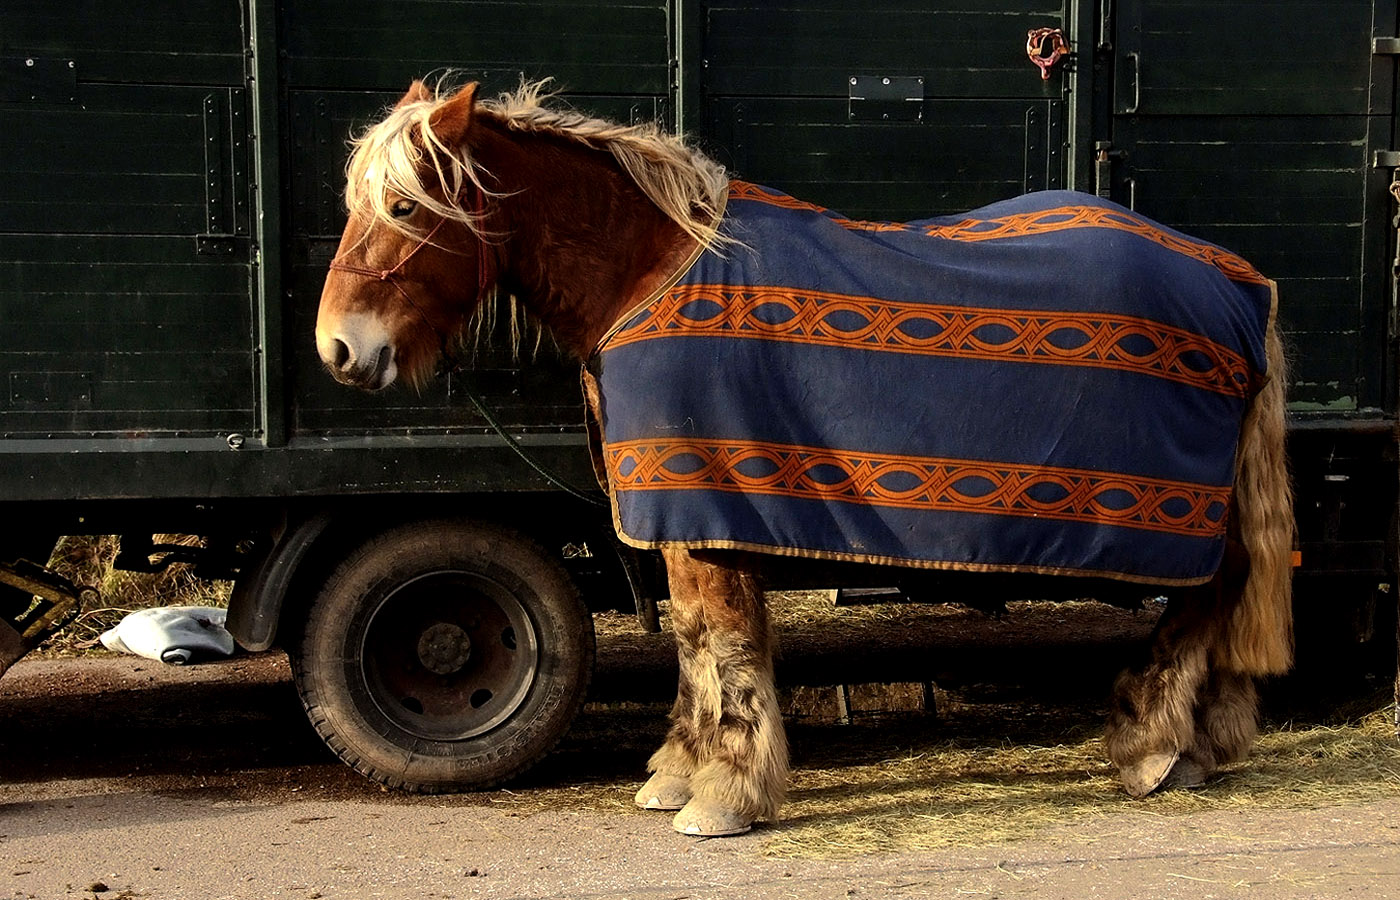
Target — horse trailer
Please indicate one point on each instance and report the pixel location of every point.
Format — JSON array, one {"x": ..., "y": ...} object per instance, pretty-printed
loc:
[{"x": 171, "y": 203}]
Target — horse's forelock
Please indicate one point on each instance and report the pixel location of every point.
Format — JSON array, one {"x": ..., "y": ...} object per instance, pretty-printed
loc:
[
  {"x": 393, "y": 156},
  {"x": 401, "y": 158}
]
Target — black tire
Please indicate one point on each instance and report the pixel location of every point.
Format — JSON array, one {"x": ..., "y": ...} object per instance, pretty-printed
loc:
[{"x": 444, "y": 656}]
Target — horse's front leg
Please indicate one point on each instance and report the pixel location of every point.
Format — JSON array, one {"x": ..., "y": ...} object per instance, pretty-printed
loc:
[{"x": 725, "y": 758}]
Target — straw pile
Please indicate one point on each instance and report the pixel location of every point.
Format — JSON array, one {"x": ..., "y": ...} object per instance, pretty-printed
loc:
[
  {"x": 977, "y": 791},
  {"x": 998, "y": 764}
]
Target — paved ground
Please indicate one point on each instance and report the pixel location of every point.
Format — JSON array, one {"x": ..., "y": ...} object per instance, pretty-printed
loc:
[
  {"x": 141, "y": 844},
  {"x": 126, "y": 779}
]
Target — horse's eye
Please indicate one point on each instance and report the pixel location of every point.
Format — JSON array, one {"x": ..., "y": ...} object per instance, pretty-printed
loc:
[{"x": 403, "y": 208}]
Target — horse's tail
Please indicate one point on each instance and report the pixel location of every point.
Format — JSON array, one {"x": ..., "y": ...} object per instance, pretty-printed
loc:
[{"x": 1258, "y": 639}]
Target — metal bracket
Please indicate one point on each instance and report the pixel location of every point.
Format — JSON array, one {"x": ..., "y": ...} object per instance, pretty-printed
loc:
[
  {"x": 215, "y": 244},
  {"x": 34, "y": 79},
  {"x": 1385, "y": 46},
  {"x": 224, "y": 210},
  {"x": 1386, "y": 159},
  {"x": 237, "y": 246},
  {"x": 214, "y": 146},
  {"x": 1033, "y": 178},
  {"x": 72, "y": 390},
  {"x": 885, "y": 98}
]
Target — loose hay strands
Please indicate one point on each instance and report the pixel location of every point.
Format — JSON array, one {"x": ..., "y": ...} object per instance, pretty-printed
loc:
[
  {"x": 956, "y": 794},
  {"x": 1000, "y": 766}
]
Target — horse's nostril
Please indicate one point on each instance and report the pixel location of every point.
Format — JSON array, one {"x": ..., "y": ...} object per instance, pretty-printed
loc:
[
  {"x": 341, "y": 354},
  {"x": 381, "y": 364}
]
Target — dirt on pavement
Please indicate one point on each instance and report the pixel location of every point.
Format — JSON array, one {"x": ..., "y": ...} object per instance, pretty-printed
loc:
[{"x": 124, "y": 778}]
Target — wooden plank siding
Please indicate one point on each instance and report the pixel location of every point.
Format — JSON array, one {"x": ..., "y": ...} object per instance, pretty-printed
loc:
[{"x": 140, "y": 313}]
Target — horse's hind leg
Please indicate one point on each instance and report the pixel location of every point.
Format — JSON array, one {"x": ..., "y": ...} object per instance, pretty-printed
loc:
[
  {"x": 1226, "y": 726},
  {"x": 726, "y": 750},
  {"x": 1183, "y": 715},
  {"x": 1152, "y": 718}
]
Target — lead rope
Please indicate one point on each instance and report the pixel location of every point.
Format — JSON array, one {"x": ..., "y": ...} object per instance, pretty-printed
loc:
[
  {"x": 453, "y": 366},
  {"x": 591, "y": 499}
]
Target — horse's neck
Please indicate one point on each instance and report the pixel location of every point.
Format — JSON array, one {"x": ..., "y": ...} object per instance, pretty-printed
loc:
[{"x": 583, "y": 244}]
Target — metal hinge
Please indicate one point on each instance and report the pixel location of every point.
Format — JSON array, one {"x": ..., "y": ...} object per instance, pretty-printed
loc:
[{"x": 885, "y": 98}]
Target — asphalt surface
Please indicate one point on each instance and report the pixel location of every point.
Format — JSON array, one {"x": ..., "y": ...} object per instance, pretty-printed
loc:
[{"x": 122, "y": 778}]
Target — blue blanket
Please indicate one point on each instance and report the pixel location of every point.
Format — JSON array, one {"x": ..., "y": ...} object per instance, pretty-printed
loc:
[{"x": 1048, "y": 384}]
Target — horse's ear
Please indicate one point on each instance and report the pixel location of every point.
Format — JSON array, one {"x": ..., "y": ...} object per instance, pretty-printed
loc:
[
  {"x": 452, "y": 119},
  {"x": 416, "y": 91}
]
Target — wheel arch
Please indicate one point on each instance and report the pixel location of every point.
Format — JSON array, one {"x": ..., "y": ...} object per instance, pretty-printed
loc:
[
  {"x": 260, "y": 593},
  {"x": 308, "y": 542}
]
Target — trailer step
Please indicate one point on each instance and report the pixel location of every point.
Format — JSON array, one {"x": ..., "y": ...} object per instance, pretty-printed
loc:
[{"x": 57, "y": 601}]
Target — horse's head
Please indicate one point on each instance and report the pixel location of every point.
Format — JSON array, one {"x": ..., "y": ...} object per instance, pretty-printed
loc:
[{"x": 411, "y": 266}]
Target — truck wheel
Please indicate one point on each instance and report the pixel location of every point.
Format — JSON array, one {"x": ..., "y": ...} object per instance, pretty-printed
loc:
[{"x": 445, "y": 656}]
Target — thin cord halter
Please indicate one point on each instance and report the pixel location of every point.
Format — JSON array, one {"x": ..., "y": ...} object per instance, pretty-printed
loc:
[
  {"x": 451, "y": 364},
  {"x": 394, "y": 277}
]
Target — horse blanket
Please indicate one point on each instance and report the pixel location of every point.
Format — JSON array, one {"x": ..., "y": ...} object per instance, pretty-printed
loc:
[{"x": 1048, "y": 384}]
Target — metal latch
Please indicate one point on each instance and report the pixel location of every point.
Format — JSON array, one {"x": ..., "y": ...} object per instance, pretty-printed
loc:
[
  {"x": 1385, "y": 46},
  {"x": 1104, "y": 155},
  {"x": 885, "y": 98}
]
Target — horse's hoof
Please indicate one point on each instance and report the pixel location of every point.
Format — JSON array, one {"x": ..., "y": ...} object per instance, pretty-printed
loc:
[
  {"x": 702, "y": 818},
  {"x": 664, "y": 791},
  {"x": 1187, "y": 773},
  {"x": 1147, "y": 774}
]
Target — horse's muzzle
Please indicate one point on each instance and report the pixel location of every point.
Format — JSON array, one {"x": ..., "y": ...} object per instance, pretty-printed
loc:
[{"x": 358, "y": 353}]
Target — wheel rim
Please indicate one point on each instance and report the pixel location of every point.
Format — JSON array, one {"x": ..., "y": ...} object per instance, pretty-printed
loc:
[{"x": 449, "y": 655}]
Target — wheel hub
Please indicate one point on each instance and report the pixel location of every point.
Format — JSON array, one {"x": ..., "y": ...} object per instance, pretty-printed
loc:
[
  {"x": 448, "y": 655},
  {"x": 444, "y": 648}
]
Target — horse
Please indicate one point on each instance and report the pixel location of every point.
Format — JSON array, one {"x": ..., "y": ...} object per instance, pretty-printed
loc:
[{"x": 455, "y": 200}]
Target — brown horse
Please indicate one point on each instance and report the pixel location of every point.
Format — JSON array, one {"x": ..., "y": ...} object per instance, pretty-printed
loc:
[{"x": 453, "y": 200}]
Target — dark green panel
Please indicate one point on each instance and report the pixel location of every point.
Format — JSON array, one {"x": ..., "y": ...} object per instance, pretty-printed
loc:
[
  {"x": 133, "y": 159},
  {"x": 118, "y": 327},
  {"x": 1291, "y": 195},
  {"x": 151, "y": 42},
  {"x": 209, "y": 469},
  {"x": 1291, "y": 57},
  {"x": 961, "y": 49},
  {"x": 602, "y": 47},
  {"x": 960, "y": 155},
  {"x": 158, "y": 335}
]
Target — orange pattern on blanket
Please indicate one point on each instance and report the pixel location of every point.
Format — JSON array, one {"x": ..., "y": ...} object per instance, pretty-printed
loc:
[
  {"x": 1125, "y": 343},
  {"x": 1039, "y": 222},
  {"x": 952, "y": 485}
]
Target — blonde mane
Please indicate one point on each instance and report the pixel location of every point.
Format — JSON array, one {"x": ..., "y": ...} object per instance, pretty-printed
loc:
[{"x": 387, "y": 162}]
